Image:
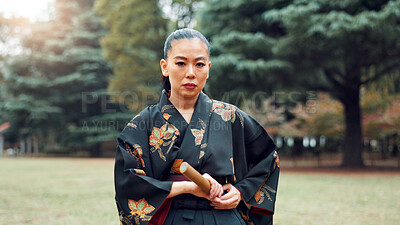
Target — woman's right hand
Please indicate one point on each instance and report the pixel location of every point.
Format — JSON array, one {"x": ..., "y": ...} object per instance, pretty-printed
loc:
[
  {"x": 216, "y": 189},
  {"x": 189, "y": 187}
]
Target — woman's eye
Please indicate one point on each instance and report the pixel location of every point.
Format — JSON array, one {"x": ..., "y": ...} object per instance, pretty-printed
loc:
[
  {"x": 180, "y": 63},
  {"x": 200, "y": 64}
]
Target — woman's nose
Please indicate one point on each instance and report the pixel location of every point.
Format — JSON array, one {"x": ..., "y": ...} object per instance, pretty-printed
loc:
[{"x": 190, "y": 72}]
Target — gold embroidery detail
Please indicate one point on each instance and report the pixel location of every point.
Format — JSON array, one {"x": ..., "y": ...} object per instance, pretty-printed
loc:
[
  {"x": 140, "y": 172},
  {"x": 130, "y": 124},
  {"x": 137, "y": 153},
  {"x": 262, "y": 193},
  {"x": 201, "y": 154},
  {"x": 233, "y": 168},
  {"x": 166, "y": 107},
  {"x": 276, "y": 159},
  {"x": 203, "y": 125},
  {"x": 204, "y": 145}
]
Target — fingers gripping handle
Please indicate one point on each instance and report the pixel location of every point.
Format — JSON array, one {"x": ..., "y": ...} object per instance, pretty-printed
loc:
[{"x": 192, "y": 174}]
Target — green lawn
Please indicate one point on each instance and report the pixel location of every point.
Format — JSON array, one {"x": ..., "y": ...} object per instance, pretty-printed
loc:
[
  {"x": 57, "y": 191},
  {"x": 80, "y": 191},
  {"x": 358, "y": 199}
]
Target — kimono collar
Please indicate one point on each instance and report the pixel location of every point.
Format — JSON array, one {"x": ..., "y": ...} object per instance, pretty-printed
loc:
[{"x": 201, "y": 112}]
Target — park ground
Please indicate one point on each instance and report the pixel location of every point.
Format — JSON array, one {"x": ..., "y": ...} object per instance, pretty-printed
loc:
[{"x": 80, "y": 191}]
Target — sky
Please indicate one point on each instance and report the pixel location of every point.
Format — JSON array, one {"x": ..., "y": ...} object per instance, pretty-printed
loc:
[{"x": 33, "y": 9}]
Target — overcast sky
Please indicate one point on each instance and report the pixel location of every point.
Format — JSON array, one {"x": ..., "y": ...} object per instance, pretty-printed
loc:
[{"x": 32, "y": 9}]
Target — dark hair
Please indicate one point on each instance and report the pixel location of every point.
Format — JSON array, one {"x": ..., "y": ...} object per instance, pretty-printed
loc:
[{"x": 185, "y": 33}]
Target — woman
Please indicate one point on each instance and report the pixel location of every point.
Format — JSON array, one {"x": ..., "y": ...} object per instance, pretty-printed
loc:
[{"x": 232, "y": 151}]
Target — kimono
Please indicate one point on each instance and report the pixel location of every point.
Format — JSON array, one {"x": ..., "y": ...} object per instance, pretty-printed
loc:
[{"x": 220, "y": 140}]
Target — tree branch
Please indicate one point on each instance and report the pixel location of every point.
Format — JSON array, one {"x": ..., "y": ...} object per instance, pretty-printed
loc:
[
  {"x": 338, "y": 87},
  {"x": 331, "y": 77},
  {"x": 381, "y": 73}
]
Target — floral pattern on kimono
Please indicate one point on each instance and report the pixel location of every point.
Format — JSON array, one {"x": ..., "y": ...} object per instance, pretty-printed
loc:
[
  {"x": 220, "y": 140},
  {"x": 163, "y": 136}
]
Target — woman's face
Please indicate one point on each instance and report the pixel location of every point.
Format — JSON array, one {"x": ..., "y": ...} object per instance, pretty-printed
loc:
[{"x": 187, "y": 67}]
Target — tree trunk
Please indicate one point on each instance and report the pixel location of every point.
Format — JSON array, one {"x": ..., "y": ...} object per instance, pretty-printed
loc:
[
  {"x": 1, "y": 145},
  {"x": 35, "y": 146},
  {"x": 28, "y": 146},
  {"x": 22, "y": 146},
  {"x": 352, "y": 155}
]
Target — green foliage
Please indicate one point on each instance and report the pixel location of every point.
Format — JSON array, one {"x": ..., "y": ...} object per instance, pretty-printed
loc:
[
  {"x": 181, "y": 13},
  {"x": 56, "y": 89},
  {"x": 320, "y": 44},
  {"x": 331, "y": 46},
  {"x": 340, "y": 46},
  {"x": 133, "y": 44}
]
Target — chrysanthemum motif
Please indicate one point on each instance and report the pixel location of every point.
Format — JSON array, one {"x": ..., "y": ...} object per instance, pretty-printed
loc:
[
  {"x": 163, "y": 136},
  {"x": 140, "y": 209},
  {"x": 226, "y": 112},
  {"x": 198, "y": 135}
]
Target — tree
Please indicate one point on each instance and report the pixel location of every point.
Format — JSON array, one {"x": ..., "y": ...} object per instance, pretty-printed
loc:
[
  {"x": 324, "y": 118},
  {"x": 134, "y": 44},
  {"x": 57, "y": 88},
  {"x": 332, "y": 46}
]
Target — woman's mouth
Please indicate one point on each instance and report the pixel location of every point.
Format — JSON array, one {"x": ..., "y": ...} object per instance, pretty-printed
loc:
[{"x": 190, "y": 85}]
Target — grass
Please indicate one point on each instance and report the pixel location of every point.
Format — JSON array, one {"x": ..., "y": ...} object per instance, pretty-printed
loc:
[
  {"x": 350, "y": 199},
  {"x": 80, "y": 191},
  {"x": 57, "y": 191}
]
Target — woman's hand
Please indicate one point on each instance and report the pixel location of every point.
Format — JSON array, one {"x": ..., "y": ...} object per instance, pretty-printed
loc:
[
  {"x": 216, "y": 189},
  {"x": 182, "y": 187},
  {"x": 229, "y": 200}
]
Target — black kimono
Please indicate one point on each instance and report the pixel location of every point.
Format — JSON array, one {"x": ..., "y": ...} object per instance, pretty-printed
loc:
[{"x": 220, "y": 140}]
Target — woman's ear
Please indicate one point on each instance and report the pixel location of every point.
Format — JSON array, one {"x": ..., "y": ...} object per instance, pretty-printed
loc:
[
  {"x": 209, "y": 66},
  {"x": 163, "y": 65}
]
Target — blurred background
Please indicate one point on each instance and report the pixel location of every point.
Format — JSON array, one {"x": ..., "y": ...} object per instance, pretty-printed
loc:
[{"x": 322, "y": 77}]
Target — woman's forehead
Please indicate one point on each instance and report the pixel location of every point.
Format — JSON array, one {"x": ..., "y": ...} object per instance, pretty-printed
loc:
[{"x": 188, "y": 47}]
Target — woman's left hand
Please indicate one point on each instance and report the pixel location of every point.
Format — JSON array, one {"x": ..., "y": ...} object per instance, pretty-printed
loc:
[{"x": 229, "y": 200}]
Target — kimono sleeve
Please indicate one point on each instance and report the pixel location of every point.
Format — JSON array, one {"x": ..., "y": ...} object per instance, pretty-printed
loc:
[
  {"x": 138, "y": 194},
  {"x": 260, "y": 179}
]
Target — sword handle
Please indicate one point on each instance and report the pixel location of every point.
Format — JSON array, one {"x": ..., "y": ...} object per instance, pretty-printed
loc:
[{"x": 188, "y": 171}]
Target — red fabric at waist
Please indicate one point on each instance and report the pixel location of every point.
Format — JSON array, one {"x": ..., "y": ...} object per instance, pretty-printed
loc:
[{"x": 177, "y": 177}]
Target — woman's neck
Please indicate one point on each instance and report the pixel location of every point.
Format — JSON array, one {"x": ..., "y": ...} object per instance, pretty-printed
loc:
[
  {"x": 185, "y": 106},
  {"x": 183, "y": 103}
]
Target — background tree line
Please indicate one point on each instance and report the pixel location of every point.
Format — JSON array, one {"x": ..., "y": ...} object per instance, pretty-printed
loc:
[{"x": 96, "y": 63}]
